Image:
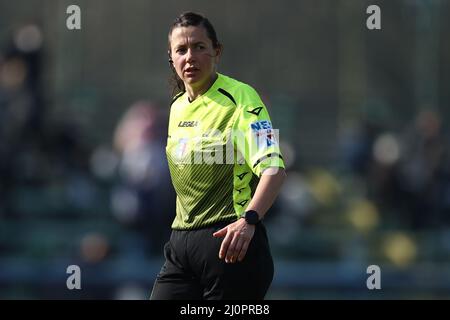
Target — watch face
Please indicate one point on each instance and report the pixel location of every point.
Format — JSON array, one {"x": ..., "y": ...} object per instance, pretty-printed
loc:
[{"x": 251, "y": 217}]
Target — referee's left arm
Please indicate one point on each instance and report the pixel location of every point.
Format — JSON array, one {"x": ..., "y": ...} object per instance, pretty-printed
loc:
[
  {"x": 237, "y": 235},
  {"x": 267, "y": 190}
]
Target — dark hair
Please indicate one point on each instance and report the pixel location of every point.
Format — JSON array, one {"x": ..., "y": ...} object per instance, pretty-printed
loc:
[{"x": 187, "y": 19}]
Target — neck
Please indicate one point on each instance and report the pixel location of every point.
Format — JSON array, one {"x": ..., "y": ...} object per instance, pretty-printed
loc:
[{"x": 195, "y": 91}]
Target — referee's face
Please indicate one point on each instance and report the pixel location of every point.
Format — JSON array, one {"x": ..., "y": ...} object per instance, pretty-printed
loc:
[{"x": 193, "y": 55}]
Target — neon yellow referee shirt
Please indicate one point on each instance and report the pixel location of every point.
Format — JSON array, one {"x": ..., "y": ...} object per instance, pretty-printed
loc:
[{"x": 217, "y": 147}]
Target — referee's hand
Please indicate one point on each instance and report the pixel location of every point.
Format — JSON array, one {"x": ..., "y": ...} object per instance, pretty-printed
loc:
[{"x": 237, "y": 239}]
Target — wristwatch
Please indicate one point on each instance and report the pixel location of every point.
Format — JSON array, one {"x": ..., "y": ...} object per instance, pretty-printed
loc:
[{"x": 252, "y": 217}]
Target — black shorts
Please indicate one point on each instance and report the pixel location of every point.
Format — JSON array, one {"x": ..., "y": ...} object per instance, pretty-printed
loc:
[{"x": 193, "y": 270}]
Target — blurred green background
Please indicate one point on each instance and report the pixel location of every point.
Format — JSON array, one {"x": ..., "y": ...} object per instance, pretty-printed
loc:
[{"x": 363, "y": 118}]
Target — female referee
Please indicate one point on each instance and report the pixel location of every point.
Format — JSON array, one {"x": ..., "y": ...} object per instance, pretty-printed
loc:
[{"x": 218, "y": 248}]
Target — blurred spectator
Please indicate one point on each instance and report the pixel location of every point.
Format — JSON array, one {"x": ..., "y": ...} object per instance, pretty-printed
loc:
[
  {"x": 21, "y": 107},
  {"x": 144, "y": 198},
  {"x": 423, "y": 171},
  {"x": 406, "y": 174},
  {"x": 409, "y": 173}
]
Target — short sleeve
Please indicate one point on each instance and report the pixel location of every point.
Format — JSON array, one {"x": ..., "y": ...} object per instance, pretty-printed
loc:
[{"x": 254, "y": 136}]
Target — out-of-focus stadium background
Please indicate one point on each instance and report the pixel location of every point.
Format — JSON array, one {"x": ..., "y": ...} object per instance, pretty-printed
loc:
[{"x": 363, "y": 117}]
